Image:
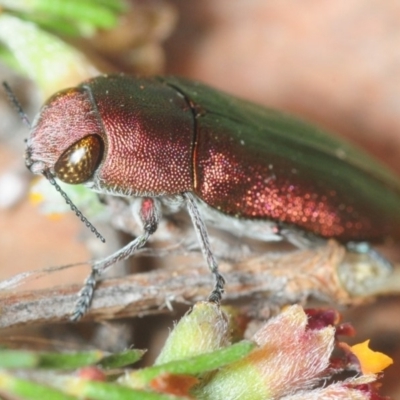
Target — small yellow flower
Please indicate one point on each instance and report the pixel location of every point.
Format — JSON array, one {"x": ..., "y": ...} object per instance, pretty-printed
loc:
[
  {"x": 36, "y": 198},
  {"x": 372, "y": 362}
]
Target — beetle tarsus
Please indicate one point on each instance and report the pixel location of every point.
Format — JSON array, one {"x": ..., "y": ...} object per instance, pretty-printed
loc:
[
  {"x": 216, "y": 295},
  {"x": 85, "y": 296}
]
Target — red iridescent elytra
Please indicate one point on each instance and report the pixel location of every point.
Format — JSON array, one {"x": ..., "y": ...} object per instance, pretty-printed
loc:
[{"x": 165, "y": 136}]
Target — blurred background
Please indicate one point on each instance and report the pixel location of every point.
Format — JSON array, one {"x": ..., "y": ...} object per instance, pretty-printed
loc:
[{"x": 335, "y": 63}]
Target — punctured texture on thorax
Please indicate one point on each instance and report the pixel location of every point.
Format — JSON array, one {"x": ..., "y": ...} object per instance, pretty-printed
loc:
[{"x": 148, "y": 136}]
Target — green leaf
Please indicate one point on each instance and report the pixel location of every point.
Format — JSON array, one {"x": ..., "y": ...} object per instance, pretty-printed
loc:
[
  {"x": 86, "y": 14},
  {"x": 43, "y": 57},
  {"x": 69, "y": 360},
  {"x": 122, "y": 359},
  {"x": 29, "y": 359},
  {"x": 191, "y": 366},
  {"x": 25, "y": 389},
  {"x": 18, "y": 359},
  {"x": 107, "y": 391}
]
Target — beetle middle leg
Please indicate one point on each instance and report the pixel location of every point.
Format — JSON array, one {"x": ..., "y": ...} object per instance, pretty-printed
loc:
[
  {"x": 150, "y": 215},
  {"x": 202, "y": 235}
]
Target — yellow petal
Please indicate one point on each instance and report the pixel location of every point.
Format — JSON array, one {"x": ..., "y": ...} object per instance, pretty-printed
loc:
[
  {"x": 35, "y": 198},
  {"x": 55, "y": 216},
  {"x": 371, "y": 361}
]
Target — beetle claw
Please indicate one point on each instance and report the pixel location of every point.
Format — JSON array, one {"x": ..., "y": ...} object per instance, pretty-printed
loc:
[{"x": 216, "y": 295}]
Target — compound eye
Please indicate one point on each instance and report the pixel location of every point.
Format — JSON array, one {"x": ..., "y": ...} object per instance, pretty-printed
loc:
[{"x": 79, "y": 162}]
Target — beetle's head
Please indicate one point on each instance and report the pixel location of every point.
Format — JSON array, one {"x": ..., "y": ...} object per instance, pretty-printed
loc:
[
  {"x": 70, "y": 150},
  {"x": 65, "y": 140}
]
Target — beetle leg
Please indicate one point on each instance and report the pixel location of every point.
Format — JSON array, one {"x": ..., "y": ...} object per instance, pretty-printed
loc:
[
  {"x": 150, "y": 215},
  {"x": 202, "y": 235}
]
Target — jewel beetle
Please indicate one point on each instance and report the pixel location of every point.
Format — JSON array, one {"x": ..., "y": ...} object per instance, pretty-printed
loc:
[{"x": 244, "y": 168}]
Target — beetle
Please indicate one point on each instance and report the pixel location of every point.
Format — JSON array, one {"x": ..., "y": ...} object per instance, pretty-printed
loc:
[{"x": 232, "y": 163}]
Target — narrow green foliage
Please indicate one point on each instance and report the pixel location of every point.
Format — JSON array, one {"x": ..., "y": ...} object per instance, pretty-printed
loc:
[
  {"x": 73, "y": 16},
  {"x": 287, "y": 357},
  {"x": 122, "y": 359},
  {"x": 25, "y": 389},
  {"x": 42, "y": 56},
  {"x": 191, "y": 366},
  {"x": 31, "y": 46},
  {"x": 69, "y": 360},
  {"x": 18, "y": 359},
  {"x": 107, "y": 391},
  {"x": 28, "y": 359}
]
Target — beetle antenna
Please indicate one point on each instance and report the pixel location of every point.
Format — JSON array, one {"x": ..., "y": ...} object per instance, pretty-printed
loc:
[
  {"x": 14, "y": 101},
  {"x": 74, "y": 208}
]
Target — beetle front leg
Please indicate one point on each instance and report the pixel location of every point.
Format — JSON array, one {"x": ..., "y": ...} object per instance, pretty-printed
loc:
[
  {"x": 150, "y": 215},
  {"x": 202, "y": 235}
]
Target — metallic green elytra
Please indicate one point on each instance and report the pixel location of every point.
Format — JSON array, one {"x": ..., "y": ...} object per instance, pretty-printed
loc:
[{"x": 255, "y": 163}]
